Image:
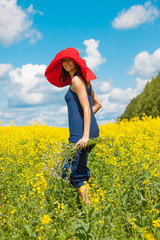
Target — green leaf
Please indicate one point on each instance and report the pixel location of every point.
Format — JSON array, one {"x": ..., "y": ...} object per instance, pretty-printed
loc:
[
  {"x": 142, "y": 198},
  {"x": 34, "y": 234},
  {"x": 17, "y": 236},
  {"x": 90, "y": 214},
  {"x": 108, "y": 206},
  {"x": 62, "y": 214},
  {"x": 29, "y": 231},
  {"x": 81, "y": 227},
  {"x": 106, "y": 238},
  {"x": 91, "y": 235}
]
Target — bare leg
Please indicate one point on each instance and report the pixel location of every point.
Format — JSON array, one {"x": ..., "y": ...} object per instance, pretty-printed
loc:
[{"x": 84, "y": 193}]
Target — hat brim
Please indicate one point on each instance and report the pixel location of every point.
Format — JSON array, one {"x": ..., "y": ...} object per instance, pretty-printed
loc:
[{"x": 54, "y": 69}]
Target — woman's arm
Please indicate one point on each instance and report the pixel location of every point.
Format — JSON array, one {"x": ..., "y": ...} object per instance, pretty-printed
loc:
[
  {"x": 78, "y": 86},
  {"x": 96, "y": 102}
]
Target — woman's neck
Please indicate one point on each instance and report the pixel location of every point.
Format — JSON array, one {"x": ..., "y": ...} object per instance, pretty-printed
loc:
[{"x": 72, "y": 73}]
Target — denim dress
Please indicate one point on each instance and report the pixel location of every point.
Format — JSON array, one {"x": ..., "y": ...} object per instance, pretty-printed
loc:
[{"x": 80, "y": 173}]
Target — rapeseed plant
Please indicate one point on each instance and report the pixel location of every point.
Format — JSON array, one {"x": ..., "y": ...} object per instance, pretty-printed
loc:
[{"x": 124, "y": 184}]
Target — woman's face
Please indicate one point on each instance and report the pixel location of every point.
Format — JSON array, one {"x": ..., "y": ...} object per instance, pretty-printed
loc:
[{"x": 69, "y": 64}]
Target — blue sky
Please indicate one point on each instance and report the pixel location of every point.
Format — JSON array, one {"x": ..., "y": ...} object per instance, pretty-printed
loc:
[{"x": 120, "y": 41}]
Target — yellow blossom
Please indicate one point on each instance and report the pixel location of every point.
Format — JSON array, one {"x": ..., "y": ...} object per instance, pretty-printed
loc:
[{"x": 45, "y": 219}]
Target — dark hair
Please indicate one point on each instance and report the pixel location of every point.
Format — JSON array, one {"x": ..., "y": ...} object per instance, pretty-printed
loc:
[
  {"x": 64, "y": 74},
  {"x": 79, "y": 71}
]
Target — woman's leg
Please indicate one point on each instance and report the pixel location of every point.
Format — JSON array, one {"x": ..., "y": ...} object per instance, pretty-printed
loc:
[
  {"x": 80, "y": 173},
  {"x": 84, "y": 194}
]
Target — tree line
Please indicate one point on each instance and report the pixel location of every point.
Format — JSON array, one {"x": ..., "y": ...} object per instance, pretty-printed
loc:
[{"x": 147, "y": 102}]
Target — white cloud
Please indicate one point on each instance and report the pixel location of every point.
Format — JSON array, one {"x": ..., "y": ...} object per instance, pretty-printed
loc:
[
  {"x": 16, "y": 23},
  {"x": 93, "y": 57},
  {"x": 27, "y": 116},
  {"x": 115, "y": 100},
  {"x": 103, "y": 87},
  {"x": 108, "y": 93},
  {"x": 33, "y": 35},
  {"x": 104, "y": 96},
  {"x": 123, "y": 95},
  {"x": 140, "y": 83},
  {"x": 110, "y": 107},
  {"x": 135, "y": 15},
  {"x": 29, "y": 87},
  {"x": 146, "y": 65},
  {"x": 7, "y": 115},
  {"x": 62, "y": 110},
  {"x": 4, "y": 70},
  {"x": 58, "y": 117}
]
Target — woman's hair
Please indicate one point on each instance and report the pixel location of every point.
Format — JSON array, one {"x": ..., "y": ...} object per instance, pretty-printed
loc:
[{"x": 64, "y": 74}]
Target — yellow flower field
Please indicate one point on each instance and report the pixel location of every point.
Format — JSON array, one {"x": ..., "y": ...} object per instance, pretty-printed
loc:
[{"x": 36, "y": 203}]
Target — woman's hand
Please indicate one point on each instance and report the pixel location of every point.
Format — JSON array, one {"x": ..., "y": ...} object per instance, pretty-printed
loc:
[
  {"x": 96, "y": 102},
  {"x": 82, "y": 142}
]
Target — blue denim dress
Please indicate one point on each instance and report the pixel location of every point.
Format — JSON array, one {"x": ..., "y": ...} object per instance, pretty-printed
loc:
[{"x": 80, "y": 173}]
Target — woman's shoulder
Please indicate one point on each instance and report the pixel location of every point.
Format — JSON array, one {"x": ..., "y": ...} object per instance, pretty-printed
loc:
[{"x": 77, "y": 79}]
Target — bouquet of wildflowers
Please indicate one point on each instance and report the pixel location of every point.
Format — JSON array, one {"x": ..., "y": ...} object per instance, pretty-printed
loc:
[{"x": 69, "y": 150}]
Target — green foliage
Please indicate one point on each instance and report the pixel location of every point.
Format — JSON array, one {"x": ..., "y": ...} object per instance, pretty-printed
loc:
[{"x": 147, "y": 102}]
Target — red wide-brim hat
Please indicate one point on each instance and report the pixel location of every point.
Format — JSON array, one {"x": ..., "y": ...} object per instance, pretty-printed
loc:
[{"x": 54, "y": 69}]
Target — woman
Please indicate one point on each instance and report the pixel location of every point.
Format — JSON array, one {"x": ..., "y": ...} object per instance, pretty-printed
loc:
[{"x": 68, "y": 68}]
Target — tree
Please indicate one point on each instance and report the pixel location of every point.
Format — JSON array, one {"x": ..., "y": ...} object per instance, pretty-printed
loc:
[{"x": 147, "y": 102}]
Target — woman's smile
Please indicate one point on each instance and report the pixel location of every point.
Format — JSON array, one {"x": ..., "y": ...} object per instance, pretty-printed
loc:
[{"x": 69, "y": 64}]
